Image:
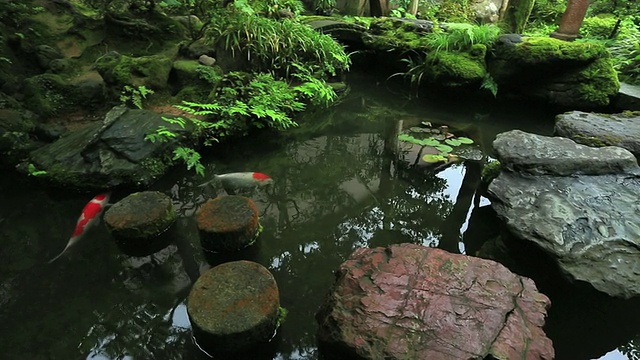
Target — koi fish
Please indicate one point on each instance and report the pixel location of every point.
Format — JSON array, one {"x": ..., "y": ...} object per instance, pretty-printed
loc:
[
  {"x": 90, "y": 216},
  {"x": 232, "y": 182}
]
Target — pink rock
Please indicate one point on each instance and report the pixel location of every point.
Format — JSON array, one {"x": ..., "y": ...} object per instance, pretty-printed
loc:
[{"x": 413, "y": 302}]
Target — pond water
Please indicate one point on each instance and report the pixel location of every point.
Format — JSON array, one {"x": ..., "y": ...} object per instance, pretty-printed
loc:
[{"x": 340, "y": 184}]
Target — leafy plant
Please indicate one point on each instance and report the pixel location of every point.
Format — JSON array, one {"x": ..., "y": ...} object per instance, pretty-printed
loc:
[
  {"x": 190, "y": 157},
  {"x": 273, "y": 46},
  {"x": 134, "y": 95},
  {"x": 33, "y": 171}
]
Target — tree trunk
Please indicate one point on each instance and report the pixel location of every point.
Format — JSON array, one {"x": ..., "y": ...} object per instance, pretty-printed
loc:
[
  {"x": 413, "y": 7},
  {"x": 379, "y": 7},
  {"x": 571, "y": 20}
]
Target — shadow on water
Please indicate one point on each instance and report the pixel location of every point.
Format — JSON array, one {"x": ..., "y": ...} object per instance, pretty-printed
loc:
[{"x": 341, "y": 183}]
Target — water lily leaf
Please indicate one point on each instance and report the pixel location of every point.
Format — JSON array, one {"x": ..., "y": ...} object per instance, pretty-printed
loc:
[
  {"x": 444, "y": 148},
  {"x": 433, "y": 158},
  {"x": 426, "y": 123},
  {"x": 410, "y": 139},
  {"x": 440, "y": 137},
  {"x": 465, "y": 140},
  {"x": 453, "y": 142},
  {"x": 431, "y": 142}
]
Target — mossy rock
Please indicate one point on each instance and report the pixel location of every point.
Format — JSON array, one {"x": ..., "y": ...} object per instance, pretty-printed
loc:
[
  {"x": 197, "y": 78},
  {"x": 576, "y": 75},
  {"x": 138, "y": 221},
  {"x": 120, "y": 70},
  {"x": 455, "y": 69},
  {"x": 234, "y": 307},
  {"x": 227, "y": 223}
]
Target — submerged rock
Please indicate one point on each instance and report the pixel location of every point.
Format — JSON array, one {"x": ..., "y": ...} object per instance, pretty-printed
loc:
[
  {"x": 139, "y": 222},
  {"x": 110, "y": 153},
  {"x": 234, "y": 307},
  {"x": 579, "y": 204},
  {"x": 413, "y": 302},
  {"x": 599, "y": 130}
]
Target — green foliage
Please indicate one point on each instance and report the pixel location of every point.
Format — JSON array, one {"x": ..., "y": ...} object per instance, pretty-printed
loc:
[
  {"x": 273, "y": 46},
  {"x": 33, "y": 171},
  {"x": 462, "y": 37},
  {"x": 190, "y": 157},
  {"x": 401, "y": 12},
  {"x": 131, "y": 95},
  {"x": 324, "y": 5},
  {"x": 488, "y": 83},
  {"x": 15, "y": 13},
  {"x": 598, "y": 27}
]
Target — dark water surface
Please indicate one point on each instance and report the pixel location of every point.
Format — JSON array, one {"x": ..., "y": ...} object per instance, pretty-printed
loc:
[{"x": 339, "y": 185}]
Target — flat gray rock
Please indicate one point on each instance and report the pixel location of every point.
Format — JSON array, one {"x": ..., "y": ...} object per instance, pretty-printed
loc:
[
  {"x": 601, "y": 129},
  {"x": 571, "y": 203}
]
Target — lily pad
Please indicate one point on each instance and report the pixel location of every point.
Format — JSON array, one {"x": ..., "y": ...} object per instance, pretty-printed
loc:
[
  {"x": 452, "y": 142},
  {"x": 426, "y": 123},
  {"x": 444, "y": 148},
  {"x": 465, "y": 140},
  {"x": 431, "y": 142},
  {"x": 433, "y": 158},
  {"x": 416, "y": 129},
  {"x": 440, "y": 137}
]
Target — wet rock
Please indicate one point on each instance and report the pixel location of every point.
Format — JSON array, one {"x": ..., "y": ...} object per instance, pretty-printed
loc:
[
  {"x": 206, "y": 60},
  {"x": 110, "y": 153},
  {"x": 227, "y": 223},
  {"x": 140, "y": 221},
  {"x": 234, "y": 307},
  {"x": 579, "y": 204},
  {"x": 15, "y": 140},
  {"x": 600, "y": 130},
  {"x": 413, "y": 302}
]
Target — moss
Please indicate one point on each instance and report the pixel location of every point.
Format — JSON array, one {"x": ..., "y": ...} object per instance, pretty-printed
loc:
[
  {"x": 598, "y": 82},
  {"x": 47, "y": 94},
  {"x": 517, "y": 15},
  {"x": 455, "y": 69},
  {"x": 490, "y": 171},
  {"x": 546, "y": 50},
  {"x": 120, "y": 70}
]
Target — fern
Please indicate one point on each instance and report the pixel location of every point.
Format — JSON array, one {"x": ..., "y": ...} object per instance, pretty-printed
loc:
[{"x": 190, "y": 157}]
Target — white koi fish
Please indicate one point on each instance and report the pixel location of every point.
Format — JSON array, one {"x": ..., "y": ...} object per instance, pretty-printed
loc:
[{"x": 232, "y": 182}]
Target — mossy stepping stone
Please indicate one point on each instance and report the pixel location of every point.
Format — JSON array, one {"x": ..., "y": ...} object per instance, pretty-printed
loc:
[
  {"x": 227, "y": 223},
  {"x": 139, "y": 222},
  {"x": 234, "y": 307}
]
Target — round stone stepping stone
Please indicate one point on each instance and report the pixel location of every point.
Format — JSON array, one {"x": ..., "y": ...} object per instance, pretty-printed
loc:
[
  {"x": 233, "y": 307},
  {"x": 227, "y": 223},
  {"x": 140, "y": 221}
]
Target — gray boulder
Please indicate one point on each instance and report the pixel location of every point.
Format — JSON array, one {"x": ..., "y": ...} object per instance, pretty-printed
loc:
[
  {"x": 579, "y": 204},
  {"x": 599, "y": 130},
  {"x": 409, "y": 301},
  {"x": 110, "y": 153}
]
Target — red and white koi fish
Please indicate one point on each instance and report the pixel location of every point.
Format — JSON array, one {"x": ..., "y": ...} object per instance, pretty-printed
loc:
[
  {"x": 90, "y": 216},
  {"x": 232, "y": 182}
]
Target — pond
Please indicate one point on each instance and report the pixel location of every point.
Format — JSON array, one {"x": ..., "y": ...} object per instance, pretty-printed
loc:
[{"x": 340, "y": 184}]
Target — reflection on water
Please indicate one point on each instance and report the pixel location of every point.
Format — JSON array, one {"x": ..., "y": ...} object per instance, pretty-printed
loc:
[{"x": 341, "y": 183}]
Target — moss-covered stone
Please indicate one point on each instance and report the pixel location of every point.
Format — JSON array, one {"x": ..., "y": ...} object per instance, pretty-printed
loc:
[
  {"x": 227, "y": 223},
  {"x": 120, "y": 70},
  {"x": 576, "y": 75},
  {"x": 193, "y": 80},
  {"x": 453, "y": 69},
  {"x": 228, "y": 315},
  {"x": 138, "y": 222}
]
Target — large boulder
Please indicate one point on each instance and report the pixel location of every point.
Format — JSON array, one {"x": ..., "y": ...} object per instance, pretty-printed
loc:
[
  {"x": 599, "y": 130},
  {"x": 565, "y": 74},
  {"x": 110, "y": 153},
  {"x": 577, "y": 203},
  {"x": 413, "y": 302}
]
